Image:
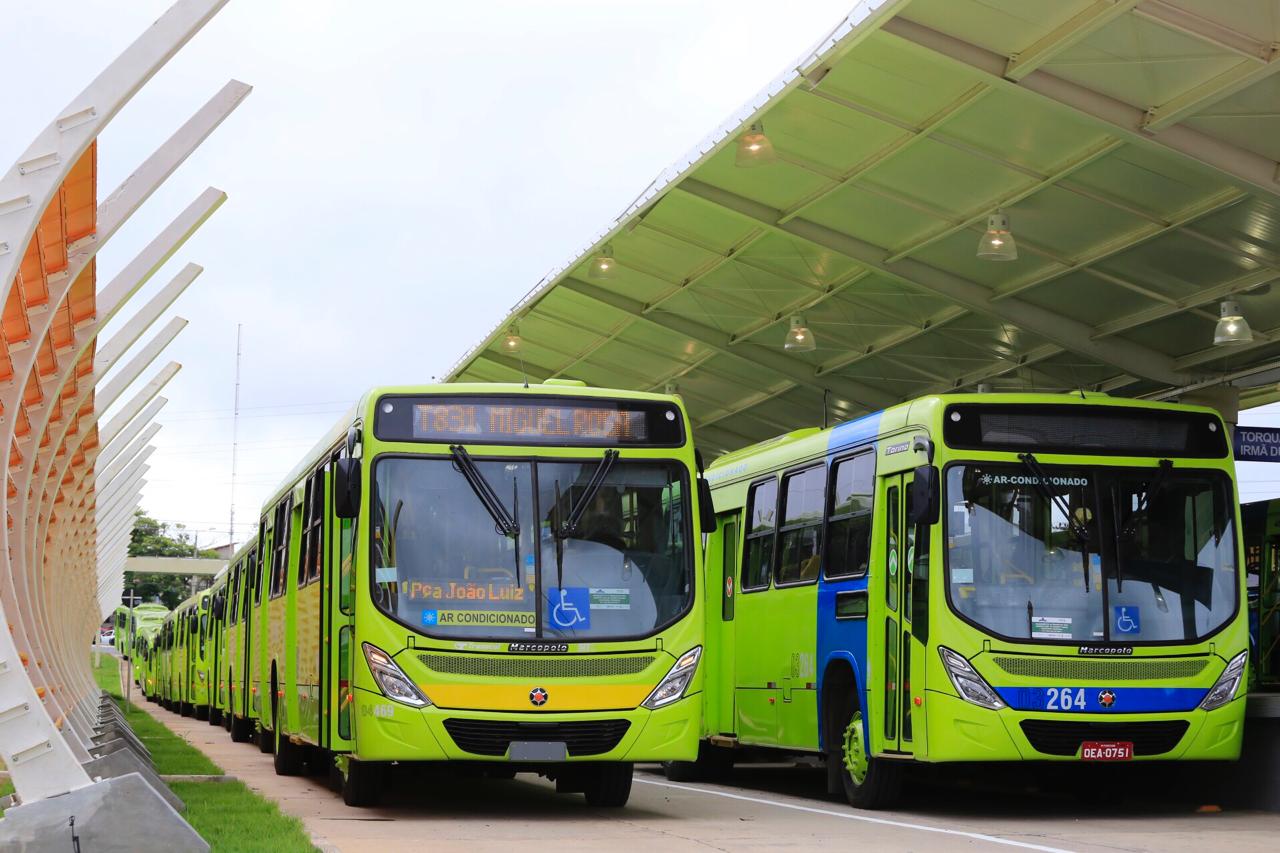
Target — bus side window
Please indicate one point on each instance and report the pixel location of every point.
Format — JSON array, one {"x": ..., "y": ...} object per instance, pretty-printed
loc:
[
  {"x": 801, "y": 532},
  {"x": 729, "y": 554},
  {"x": 762, "y": 518},
  {"x": 346, "y": 555},
  {"x": 919, "y": 602},
  {"x": 304, "y": 546},
  {"x": 891, "y": 548},
  {"x": 849, "y": 527}
]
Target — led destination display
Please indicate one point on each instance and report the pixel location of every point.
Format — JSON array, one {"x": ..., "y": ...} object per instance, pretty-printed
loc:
[{"x": 528, "y": 420}]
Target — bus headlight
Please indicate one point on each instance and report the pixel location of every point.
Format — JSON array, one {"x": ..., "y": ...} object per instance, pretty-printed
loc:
[
  {"x": 672, "y": 686},
  {"x": 1224, "y": 689},
  {"x": 391, "y": 680},
  {"x": 971, "y": 686}
]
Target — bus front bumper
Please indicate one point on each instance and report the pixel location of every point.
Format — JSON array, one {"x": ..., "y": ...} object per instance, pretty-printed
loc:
[
  {"x": 390, "y": 731},
  {"x": 961, "y": 731}
]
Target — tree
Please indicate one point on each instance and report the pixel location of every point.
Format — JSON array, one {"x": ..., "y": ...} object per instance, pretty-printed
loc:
[{"x": 151, "y": 538}]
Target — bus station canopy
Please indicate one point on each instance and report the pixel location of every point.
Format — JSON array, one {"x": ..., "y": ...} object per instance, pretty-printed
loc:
[{"x": 1133, "y": 147}]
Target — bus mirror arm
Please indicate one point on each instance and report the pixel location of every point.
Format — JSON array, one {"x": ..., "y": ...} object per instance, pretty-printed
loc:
[
  {"x": 346, "y": 488},
  {"x": 925, "y": 500},
  {"x": 706, "y": 509}
]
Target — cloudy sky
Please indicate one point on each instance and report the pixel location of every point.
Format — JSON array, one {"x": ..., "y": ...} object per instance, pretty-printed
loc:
[{"x": 401, "y": 174}]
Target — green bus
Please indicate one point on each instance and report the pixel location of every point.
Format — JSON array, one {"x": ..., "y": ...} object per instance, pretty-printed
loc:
[
  {"x": 498, "y": 574},
  {"x": 978, "y": 578},
  {"x": 120, "y": 624},
  {"x": 184, "y": 677},
  {"x": 1262, "y": 566}
]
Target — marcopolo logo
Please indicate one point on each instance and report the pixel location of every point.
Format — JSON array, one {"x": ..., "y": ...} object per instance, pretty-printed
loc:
[{"x": 1028, "y": 480}]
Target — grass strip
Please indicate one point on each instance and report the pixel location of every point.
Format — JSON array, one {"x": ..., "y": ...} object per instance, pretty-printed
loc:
[
  {"x": 171, "y": 754},
  {"x": 233, "y": 818}
]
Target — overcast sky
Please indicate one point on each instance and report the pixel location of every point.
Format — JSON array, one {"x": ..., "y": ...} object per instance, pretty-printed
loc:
[{"x": 402, "y": 173}]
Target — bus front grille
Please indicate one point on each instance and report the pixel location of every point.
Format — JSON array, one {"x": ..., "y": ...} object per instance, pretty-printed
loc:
[
  {"x": 1061, "y": 737},
  {"x": 568, "y": 666},
  {"x": 1083, "y": 669},
  {"x": 493, "y": 737}
]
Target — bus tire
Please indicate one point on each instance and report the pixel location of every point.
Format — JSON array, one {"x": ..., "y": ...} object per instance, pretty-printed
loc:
[
  {"x": 362, "y": 783},
  {"x": 868, "y": 782},
  {"x": 288, "y": 758},
  {"x": 240, "y": 730},
  {"x": 202, "y": 712},
  {"x": 609, "y": 785},
  {"x": 266, "y": 738},
  {"x": 215, "y": 716},
  {"x": 186, "y": 709}
]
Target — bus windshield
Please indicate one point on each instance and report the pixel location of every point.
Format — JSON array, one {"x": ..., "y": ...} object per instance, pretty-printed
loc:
[
  {"x": 1091, "y": 554},
  {"x": 444, "y": 565}
]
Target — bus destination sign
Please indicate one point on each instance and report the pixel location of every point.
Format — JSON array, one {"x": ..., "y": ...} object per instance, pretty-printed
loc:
[{"x": 591, "y": 423}]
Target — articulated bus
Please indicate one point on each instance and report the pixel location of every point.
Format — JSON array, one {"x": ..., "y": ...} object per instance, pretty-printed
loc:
[
  {"x": 978, "y": 578},
  {"x": 503, "y": 575}
]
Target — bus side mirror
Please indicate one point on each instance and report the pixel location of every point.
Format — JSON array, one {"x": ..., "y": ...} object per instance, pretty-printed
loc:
[
  {"x": 346, "y": 488},
  {"x": 924, "y": 495},
  {"x": 707, "y": 514}
]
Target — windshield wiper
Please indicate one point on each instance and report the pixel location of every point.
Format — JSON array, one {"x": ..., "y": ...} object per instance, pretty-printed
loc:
[
  {"x": 505, "y": 523},
  {"x": 1126, "y": 533},
  {"x": 567, "y": 527},
  {"x": 1040, "y": 480}
]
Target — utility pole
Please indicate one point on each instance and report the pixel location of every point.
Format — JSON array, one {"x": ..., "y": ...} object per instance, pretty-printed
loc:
[{"x": 235, "y": 430}]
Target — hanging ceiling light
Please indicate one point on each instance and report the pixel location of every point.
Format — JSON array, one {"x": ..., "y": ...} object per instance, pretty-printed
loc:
[
  {"x": 997, "y": 243},
  {"x": 603, "y": 265},
  {"x": 754, "y": 148},
  {"x": 512, "y": 341},
  {"x": 799, "y": 337},
  {"x": 1233, "y": 328}
]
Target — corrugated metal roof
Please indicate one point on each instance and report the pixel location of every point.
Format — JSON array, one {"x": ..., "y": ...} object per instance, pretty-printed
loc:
[{"x": 1133, "y": 146}]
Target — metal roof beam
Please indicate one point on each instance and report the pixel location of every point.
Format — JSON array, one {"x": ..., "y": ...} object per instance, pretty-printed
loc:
[
  {"x": 1048, "y": 324},
  {"x": 753, "y": 354},
  {"x": 1202, "y": 297},
  {"x": 1210, "y": 32},
  {"x": 1240, "y": 76},
  {"x": 1084, "y": 23},
  {"x": 1250, "y": 169}
]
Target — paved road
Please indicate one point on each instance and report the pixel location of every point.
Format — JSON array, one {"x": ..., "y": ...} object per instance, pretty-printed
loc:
[{"x": 764, "y": 808}]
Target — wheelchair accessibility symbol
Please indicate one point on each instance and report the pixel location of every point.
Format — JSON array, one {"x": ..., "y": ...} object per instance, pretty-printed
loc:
[
  {"x": 1128, "y": 620},
  {"x": 569, "y": 608}
]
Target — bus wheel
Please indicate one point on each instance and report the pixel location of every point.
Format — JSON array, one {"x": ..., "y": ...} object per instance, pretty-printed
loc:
[
  {"x": 869, "y": 782},
  {"x": 362, "y": 783},
  {"x": 609, "y": 785},
  {"x": 215, "y": 716},
  {"x": 202, "y": 712},
  {"x": 240, "y": 730},
  {"x": 186, "y": 709},
  {"x": 288, "y": 760},
  {"x": 266, "y": 739}
]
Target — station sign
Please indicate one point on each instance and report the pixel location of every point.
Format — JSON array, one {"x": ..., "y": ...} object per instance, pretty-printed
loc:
[{"x": 1257, "y": 444}]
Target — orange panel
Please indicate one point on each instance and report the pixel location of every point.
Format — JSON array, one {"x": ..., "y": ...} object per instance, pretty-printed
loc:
[
  {"x": 52, "y": 242},
  {"x": 82, "y": 297},
  {"x": 16, "y": 326}
]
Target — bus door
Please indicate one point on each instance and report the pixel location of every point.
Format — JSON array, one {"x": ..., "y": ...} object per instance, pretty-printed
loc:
[
  {"x": 721, "y": 564},
  {"x": 894, "y": 652}
]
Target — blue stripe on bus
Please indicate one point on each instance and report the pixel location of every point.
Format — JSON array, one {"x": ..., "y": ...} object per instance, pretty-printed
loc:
[
  {"x": 844, "y": 640},
  {"x": 1094, "y": 700}
]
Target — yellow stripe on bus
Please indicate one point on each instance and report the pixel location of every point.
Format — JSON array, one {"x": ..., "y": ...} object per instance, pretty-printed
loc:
[{"x": 560, "y": 697}]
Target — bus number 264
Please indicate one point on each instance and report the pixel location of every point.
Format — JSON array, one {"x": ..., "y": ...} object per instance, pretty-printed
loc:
[{"x": 1064, "y": 699}]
